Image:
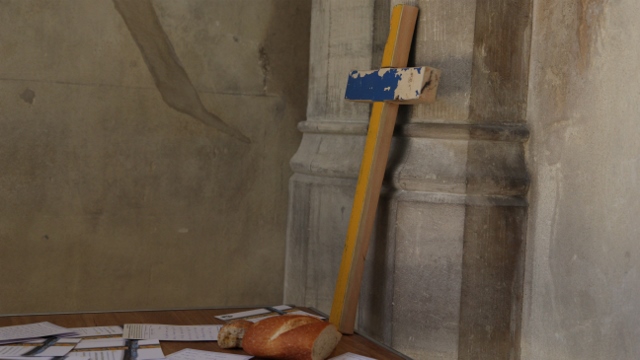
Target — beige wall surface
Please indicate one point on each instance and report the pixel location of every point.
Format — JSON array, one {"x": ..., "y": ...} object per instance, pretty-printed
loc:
[
  {"x": 116, "y": 192},
  {"x": 583, "y": 263}
]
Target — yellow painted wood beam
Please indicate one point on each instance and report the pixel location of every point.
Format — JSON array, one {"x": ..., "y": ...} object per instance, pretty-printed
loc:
[{"x": 374, "y": 161}]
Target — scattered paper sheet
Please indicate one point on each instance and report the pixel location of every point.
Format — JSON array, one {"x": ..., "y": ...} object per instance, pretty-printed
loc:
[
  {"x": 263, "y": 313},
  {"x": 251, "y": 313},
  {"x": 116, "y": 348},
  {"x": 351, "y": 356},
  {"x": 97, "y": 331},
  {"x": 9, "y": 334},
  {"x": 300, "y": 312},
  {"x": 44, "y": 358},
  {"x": 40, "y": 347},
  {"x": 101, "y": 343},
  {"x": 172, "y": 332},
  {"x": 192, "y": 354},
  {"x": 256, "y": 318}
]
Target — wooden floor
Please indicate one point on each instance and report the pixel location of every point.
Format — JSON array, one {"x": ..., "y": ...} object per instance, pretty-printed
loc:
[{"x": 351, "y": 343}]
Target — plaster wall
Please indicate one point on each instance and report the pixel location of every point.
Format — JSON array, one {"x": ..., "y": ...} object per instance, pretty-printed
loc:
[
  {"x": 117, "y": 190},
  {"x": 583, "y": 263}
]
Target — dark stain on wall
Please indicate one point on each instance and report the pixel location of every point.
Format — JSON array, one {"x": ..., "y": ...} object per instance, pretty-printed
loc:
[
  {"x": 264, "y": 65},
  {"x": 500, "y": 75},
  {"x": 284, "y": 55},
  {"x": 494, "y": 235},
  {"x": 490, "y": 299},
  {"x": 589, "y": 16},
  {"x": 28, "y": 96},
  {"x": 170, "y": 77}
]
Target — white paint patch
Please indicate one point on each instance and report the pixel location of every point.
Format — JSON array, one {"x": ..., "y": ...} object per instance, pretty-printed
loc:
[
  {"x": 410, "y": 80},
  {"x": 362, "y": 73},
  {"x": 383, "y": 71},
  {"x": 410, "y": 84},
  {"x": 183, "y": 230}
]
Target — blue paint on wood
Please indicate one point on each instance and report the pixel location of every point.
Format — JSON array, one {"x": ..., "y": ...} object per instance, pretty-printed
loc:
[{"x": 371, "y": 86}]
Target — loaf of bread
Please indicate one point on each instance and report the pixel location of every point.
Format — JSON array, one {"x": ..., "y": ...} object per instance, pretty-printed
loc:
[{"x": 287, "y": 337}]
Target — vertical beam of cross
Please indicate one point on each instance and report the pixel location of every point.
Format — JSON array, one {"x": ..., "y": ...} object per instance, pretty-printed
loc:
[{"x": 374, "y": 160}]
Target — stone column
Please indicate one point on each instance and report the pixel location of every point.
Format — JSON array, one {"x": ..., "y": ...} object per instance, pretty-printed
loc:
[
  {"x": 442, "y": 275},
  {"x": 344, "y": 37}
]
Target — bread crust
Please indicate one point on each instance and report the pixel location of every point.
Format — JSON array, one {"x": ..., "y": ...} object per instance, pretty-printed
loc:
[{"x": 291, "y": 337}]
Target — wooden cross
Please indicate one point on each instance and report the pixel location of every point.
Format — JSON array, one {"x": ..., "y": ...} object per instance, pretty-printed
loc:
[{"x": 386, "y": 88}]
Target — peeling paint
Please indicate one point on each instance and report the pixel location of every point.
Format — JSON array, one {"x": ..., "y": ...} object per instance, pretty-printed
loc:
[{"x": 377, "y": 85}]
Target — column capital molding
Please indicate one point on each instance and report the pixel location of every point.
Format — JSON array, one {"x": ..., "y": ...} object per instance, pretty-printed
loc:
[{"x": 510, "y": 132}]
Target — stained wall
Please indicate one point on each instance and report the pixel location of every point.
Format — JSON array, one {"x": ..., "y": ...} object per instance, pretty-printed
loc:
[
  {"x": 583, "y": 255},
  {"x": 117, "y": 188}
]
